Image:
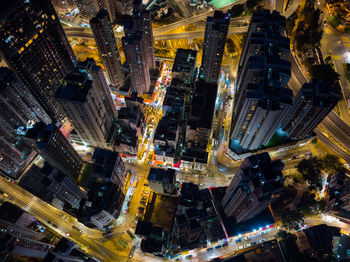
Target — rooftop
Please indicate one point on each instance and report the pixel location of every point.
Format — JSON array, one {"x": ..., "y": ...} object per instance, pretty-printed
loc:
[{"x": 75, "y": 86}]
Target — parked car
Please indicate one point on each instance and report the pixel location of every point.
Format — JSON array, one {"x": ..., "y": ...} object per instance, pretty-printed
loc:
[
  {"x": 238, "y": 240},
  {"x": 210, "y": 249},
  {"x": 262, "y": 240},
  {"x": 217, "y": 247}
]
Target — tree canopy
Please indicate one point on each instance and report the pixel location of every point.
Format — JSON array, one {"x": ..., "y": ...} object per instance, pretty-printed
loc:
[{"x": 292, "y": 219}]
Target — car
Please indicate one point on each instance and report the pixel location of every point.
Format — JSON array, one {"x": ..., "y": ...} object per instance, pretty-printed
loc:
[
  {"x": 77, "y": 229},
  {"x": 188, "y": 256},
  {"x": 225, "y": 244},
  {"x": 262, "y": 232},
  {"x": 217, "y": 247},
  {"x": 253, "y": 243},
  {"x": 238, "y": 240},
  {"x": 239, "y": 247},
  {"x": 245, "y": 245},
  {"x": 262, "y": 240},
  {"x": 67, "y": 234},
  {"x": 210, "y": 249},
  {"x": 178, "y": 259}
]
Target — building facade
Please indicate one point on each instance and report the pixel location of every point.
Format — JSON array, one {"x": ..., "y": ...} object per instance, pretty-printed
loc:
[
  {"x": 82, "y": 103},
  {"x": 53, "y": 187},
  {"x": 258, "y": 181},
  {"x": 162, "y": 181},
  {"x": 51, "y": 144},
  {"x": 18, "y": 109},
  {"x": 311, "y": 105},
  {"x": 262, "y": 102},
  {"x": 31, "y": 29},
  {"x": 107, "y": 47},
  {"x": 101, "y": 84},
  {"x": 109, "y": 166},
  {"x": 135, "y": 51},
  {"x": 141, "y": 21},
  {"x": 216, "y": 30}
]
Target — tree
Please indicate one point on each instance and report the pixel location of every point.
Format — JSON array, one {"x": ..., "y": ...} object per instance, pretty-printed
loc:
[
  {"x": 252, "y": 4},
  {"x": 324, "y": 72},
  {"x": 236, "y": 10},
  {"x": 332, "y": 164},
  {"x": 311, "y": 171},
  {"x": 292, "y": 219}
]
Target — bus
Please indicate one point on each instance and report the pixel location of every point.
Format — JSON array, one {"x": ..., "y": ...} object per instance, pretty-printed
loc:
[
  {"x": 132, "y": 252},
  {"x": 135, "y": 183},
  {"x": 131, "y": 235}
]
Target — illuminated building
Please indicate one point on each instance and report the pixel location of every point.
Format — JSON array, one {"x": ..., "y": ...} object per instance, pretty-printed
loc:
[
  {"x": 141, "y": 21},
  {"x": 18, "y": 108},
  {"x": 216, "y": 30},
  {"x": 135, "y": 51},
  {"x": 33, "y": 44},
  {"x": 258, "y": 181},
  {"x": 262, "y": 102},
  {"x": 311, "y": 105},
  {"x": 51, "y": 144},
  {"x": 82, "y": 103},
  {"x": 107, "y": 47},
  {"x": 89, "y": 8}
]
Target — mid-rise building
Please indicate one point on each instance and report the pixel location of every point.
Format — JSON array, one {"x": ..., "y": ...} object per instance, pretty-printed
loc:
[
  {"x": 18, "y": 109},
  {"x": 135, "y": 51},
  {"x": 162, "y": 181},
  {"x": 35, "y": 47},
  {"x": 141, "y": 21},
  {"x": 216, "y": 30},
  {"x": 102, "y": 205},
  {"x": 51, "y": 144},
  {"x": 17, "y": 222},
  {"x": 53, "y": 187},
  {"x": 262, "y": 102},
  {"x": 109, "y": 167},
  {"x": 258, "y": 181},
  {"x": 107, "y": 47},
  {"x": 184, "y": 67},
  {"x": 82, "y": 103},
  {"x": 311, "y": 105}
]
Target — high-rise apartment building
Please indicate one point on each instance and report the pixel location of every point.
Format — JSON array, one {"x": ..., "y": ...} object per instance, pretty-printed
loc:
[
  {"x": 257, "y": 182},
  {"x": 123, "y": 7},
  {"x": 51, "y": 144},
  {"x": 136, "y": 57},
  {"x": 107, "y": 47},
  {"x": 89, "y": 8},
  {"x": 141, "y": 21},
  {"x": 35, "y": 47},
  {"x": 101, "y": 84},
  {"x": 82, "y": 103},
  {"x": 18, "y": 108},
  {"x": 216, "y": 30},
  {"x": 311, "y": 105},
  {"x": 262, "y": 102}
]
